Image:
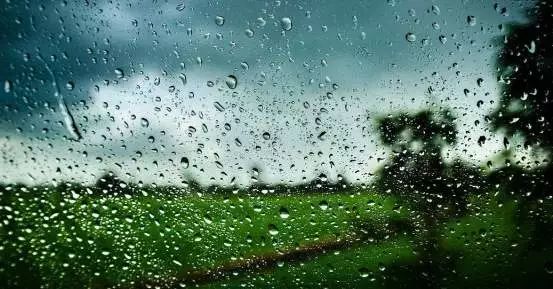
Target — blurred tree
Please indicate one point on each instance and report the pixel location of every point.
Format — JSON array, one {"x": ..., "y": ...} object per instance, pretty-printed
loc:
[
  {"x": 525, "y": 70},
  {"x": 418, "y": 174},
  {"x": 525, "y": 67},
  {"x": 109, "y": 183},
  {"x": 416, "y": 171}
]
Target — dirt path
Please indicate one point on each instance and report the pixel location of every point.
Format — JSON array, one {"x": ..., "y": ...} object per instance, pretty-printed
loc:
[{"x": 257, "y": 263}]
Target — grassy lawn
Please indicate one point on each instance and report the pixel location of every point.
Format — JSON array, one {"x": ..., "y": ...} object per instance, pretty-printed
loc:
[
  {"x": 351, "y": 239},
  {"x": 70, "y": 239}
]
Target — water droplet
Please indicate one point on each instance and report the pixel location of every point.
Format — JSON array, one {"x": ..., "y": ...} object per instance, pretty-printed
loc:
[
  {"x": 219, "y": 106},
  {"x": 119, "y": 73},
  {"x": 70, "y": 85},
  {"x": 283, "y": 213},
  {"x": 177, "y": 263},
  {"x": 443, "y": 39},
  {"x": 479, "y": 81},
  {"x": 7, "y": 86},
  {"x": 481, "y": 140},
  {"x": 182, "y": 78},
  {"x": 471, "y": 20},
  {"x": 323, "y": 205},
  {"x": 219, "y": 20},
  {"x": 197, "y": 237},
  {"x": 286, "y": 23},
  {"x": 237, "y": 142},
  {"x": 249, "y": 33},
  {"x": 231, "y": 81},
  {"x": 532, "y": 47},
  {"x": 144, "y": 122},
  {"x": 322, "y": 135},
  {"x": 364, "y": 272},
  {"x": 273, "y": 230},
  {"x": 410, "y": 37},
  {"x": 479, "y": 103},
  {"x": 185, "y": 162},
  {"x": 549, "y": 267},
  {"x": 207, "y": 219},
  {"x": 180, "y": 6},
  {"x": 436, "y": 9},
  {"x": 266, "y": 136}
]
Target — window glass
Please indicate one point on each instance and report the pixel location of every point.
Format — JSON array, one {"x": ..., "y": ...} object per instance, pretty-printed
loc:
[{"x": 267, "y": 144}]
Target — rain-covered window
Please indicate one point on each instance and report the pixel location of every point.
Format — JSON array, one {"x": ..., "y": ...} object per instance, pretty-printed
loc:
[{"x": 276, "y": 144}]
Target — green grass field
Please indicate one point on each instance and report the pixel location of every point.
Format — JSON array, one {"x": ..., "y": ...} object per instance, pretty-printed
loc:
[{"x": 350, "y": 239}]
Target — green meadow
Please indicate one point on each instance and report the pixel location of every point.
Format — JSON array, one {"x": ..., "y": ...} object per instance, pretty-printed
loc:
[{"x": 173, "y": 238}]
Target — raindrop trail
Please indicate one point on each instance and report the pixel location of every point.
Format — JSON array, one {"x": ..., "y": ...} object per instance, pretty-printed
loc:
[{"x": 67, "y": 116}]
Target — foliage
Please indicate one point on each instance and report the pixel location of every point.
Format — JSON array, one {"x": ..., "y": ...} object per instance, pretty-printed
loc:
[
  {"x": 525, "y": 67},
  {"x": 417, "y": 172}
]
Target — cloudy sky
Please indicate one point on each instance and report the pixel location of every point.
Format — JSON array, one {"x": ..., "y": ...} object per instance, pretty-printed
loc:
[{"x": 161, "y": 90}]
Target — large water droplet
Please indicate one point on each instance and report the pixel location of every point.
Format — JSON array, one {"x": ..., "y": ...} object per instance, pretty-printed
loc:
[
  {"x": 182, "y": 78},
  {"x": 410, "y": 37},
  {"x": 119, "y": 73},
  {"x": 231, "y": 81},
  {"x": 219, "y": 106},
  {"x": 436, "y": 9},
  {"x": 181, "y": 6},
  {"x": 479, "y": 81},
  {"x": 283, "y": 213},
  {"x": 219, "y": 20},
  {"x": 322, "y": 135},
  {"x": 471, "y": 20},
  {"x": 184, "y": 162},
  {"x": 70, "y": 85},
  {"x": 249, "y": 33},
  {"x": 286, "y": 23},
  {"x": 144, "y": 122},
  {"x": 364, "y": 272},
  {"x": 7, "y": 86},
  {"x": 273, "y": 230}
]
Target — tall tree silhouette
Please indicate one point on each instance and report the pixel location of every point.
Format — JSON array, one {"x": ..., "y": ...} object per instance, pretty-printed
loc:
[
  {"x": 416, "y": 170},
  {"x": 525, "y": 67},
  {"x": 418, "y": 174}
]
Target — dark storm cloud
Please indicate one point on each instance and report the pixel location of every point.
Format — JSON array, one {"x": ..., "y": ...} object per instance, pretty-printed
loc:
[{"x": 359, "y": 45}]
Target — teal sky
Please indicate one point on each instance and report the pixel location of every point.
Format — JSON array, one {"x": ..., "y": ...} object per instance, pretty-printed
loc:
[{"x": 305, "y": 102}]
